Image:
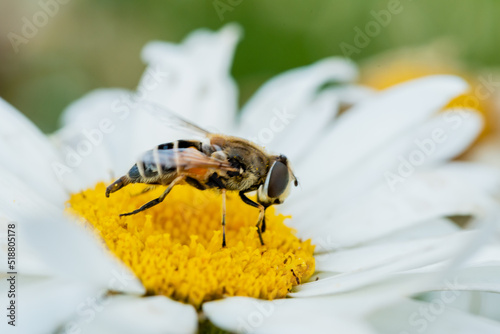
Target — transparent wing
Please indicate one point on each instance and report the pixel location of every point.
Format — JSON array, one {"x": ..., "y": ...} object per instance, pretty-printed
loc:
[
  {"x": 182, "y": 159},
  {"x": 170, "y": 119}
]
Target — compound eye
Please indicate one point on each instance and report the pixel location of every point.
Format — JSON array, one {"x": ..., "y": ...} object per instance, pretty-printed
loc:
[{"x": 278, "y": 179}]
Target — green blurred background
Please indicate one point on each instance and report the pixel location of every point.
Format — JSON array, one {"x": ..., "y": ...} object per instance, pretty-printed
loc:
[{"x": 92, "y": 44}]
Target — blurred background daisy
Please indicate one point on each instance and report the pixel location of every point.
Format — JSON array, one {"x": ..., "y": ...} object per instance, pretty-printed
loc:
[
  {"x": 84, "y": 45},
  {"x": 52, "y": 52}
]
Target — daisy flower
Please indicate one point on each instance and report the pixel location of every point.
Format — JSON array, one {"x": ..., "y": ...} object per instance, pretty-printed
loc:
[
  {"x": 442, "y": 57},
  {"x": 372, "y": 225}
]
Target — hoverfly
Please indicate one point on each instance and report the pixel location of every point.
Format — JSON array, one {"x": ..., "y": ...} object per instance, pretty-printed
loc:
[{"x": 218, "y": 161}]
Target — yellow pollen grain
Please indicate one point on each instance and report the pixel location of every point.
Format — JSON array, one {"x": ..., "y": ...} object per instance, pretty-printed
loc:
[{"x": 175, "y": 248}]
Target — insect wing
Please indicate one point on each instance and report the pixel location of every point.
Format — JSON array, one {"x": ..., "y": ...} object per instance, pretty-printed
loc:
[
  {"x": 183, "y": 159},
  {"x": 172, "y": 120}
]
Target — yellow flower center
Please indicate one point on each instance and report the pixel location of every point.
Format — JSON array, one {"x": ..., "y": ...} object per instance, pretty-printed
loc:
[{"x": 175, "y": 248}]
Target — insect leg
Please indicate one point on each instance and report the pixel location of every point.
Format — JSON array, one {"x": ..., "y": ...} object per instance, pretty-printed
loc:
[
  {"x": 223, "y": 217},
  {"x": 263, "y": 226},
  {"x": 157, "y": 200},
  {"x": 261, "y": 214},
  {"x": 218, "y": 182}
]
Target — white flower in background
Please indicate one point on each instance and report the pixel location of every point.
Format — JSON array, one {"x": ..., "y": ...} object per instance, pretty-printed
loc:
[
  {"x": 376, "y": 193},
  {"x": 442, "y": 56},
  {"x": 488, "y": 148}
]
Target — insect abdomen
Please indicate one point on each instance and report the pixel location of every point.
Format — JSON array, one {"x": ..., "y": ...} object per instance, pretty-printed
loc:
[
  {"x": 151, "y": 171},
  {"x": 148, "y": 170},
  {"x": 152, "y": 167}
]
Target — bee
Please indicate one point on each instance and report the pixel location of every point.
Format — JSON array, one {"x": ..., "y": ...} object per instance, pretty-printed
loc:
[{"x": 220, "y": 162}]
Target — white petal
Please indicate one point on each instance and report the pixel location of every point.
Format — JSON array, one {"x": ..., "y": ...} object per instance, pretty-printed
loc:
[
  {"x": 104, "y": 134},
  {"x": 369, "y": 125},
  {"x": 372, "y": 256},
  {"x": 458, "y": 128},
  {"x": 16, "y": 197},
  {"x": 31, "y": 263},
  {"x": 247, "y": 315},
  {"x": 417, "y": 254},
  {"x": 489, "y": 253},
  {"x": 483, "y": 177},
  {"x": 73, "y": 252},
  {"x": 426, "y": 195},
  {"x": 193, "y": 78},
  {"x": 26, "y": 153},
  {"x": 279, "y": 102},
  {"x": 350, "y": 95},
  {"x": 313, "y": 118},
  {"x": 392, "y": 162},
  {"x": 308, "y": 124},
  {"x": 440, "y": 138},
  {"x": 488, "y": 304},
  {"x": 317, "y": 314},
  {"x": 150, "y": 315},
  {"x": 481, "y": 278},
  {"x": 483, "y": 304},
  {"x": 485, "y": 277},
  {"x": 410, "y": 316},
  {"x": 36, "y": 296},
  {"x": 432, "y": 228},
  {"x": 96, "y": 138},
  {"x": 97, "y": 103},
  {"x": 486, "y": 151}
]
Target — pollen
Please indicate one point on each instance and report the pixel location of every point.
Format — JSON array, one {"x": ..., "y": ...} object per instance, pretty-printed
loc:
[{"x": 175, "y": 248}]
